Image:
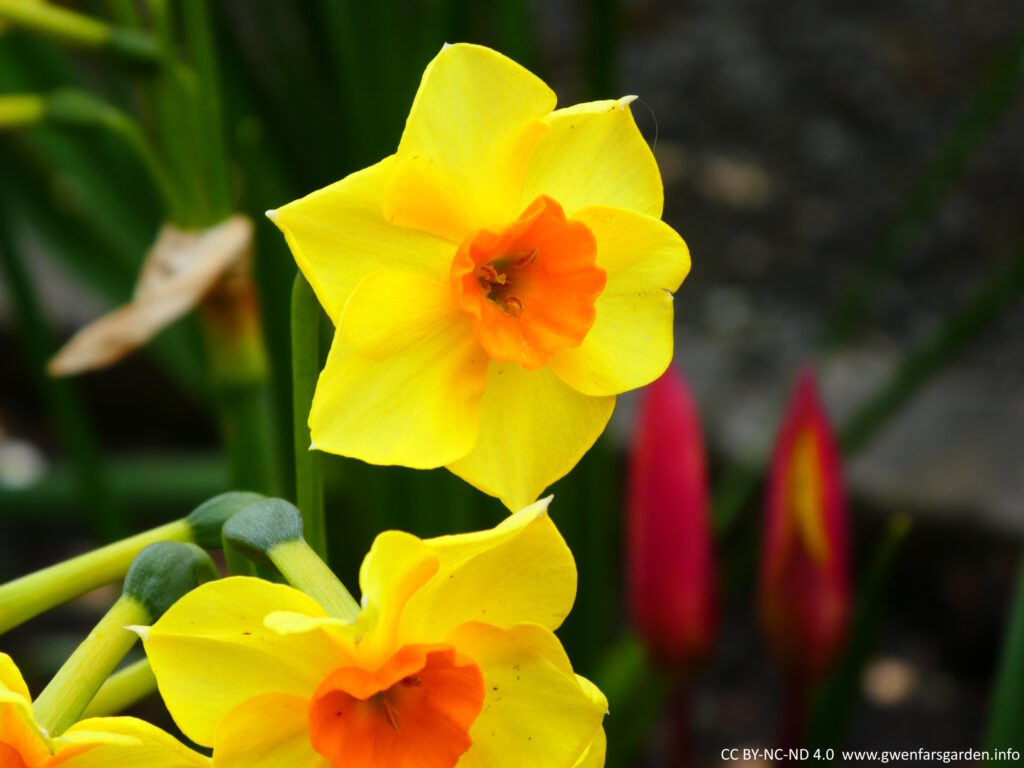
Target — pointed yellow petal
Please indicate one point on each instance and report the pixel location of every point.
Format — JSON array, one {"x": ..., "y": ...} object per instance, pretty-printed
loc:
[
  {"x": 533, "y": 430},
  {"x": 630, "y": 343},
  {"x": 11, "y": 679},
  {"x": 404, "y": 377},
  {"x": 535, "y": 711},
  {"x": 211, "y": 651},
  {"x": 475, "y": 583},
  {"x": 595, "y": 755},
  {"x": 593, "y": 154},
  {"x": 125, "y": 741},
  {"x": 460, "y": 163},
  {"x": 270, "y": 731},
  {"x": 397, "y": 565},
  {"x": 339, "y": 235}
]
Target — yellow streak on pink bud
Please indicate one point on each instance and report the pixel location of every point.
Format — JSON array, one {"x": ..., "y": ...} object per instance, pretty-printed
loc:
[{"x": 805, "y": 496}]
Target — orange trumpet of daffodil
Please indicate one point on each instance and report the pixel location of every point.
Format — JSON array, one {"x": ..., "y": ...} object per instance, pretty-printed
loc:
[
  {"x": 102, "y": 742},
  {"x": 494, "y": 284},
  {"x": 450, "y": 661}
]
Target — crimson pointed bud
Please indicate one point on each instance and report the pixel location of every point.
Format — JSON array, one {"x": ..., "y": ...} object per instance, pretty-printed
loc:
[
  {"x": 673, "y": 597},
  {"x": 805, "y": 578}
]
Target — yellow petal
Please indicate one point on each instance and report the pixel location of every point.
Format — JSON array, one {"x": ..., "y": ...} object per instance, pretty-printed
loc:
[
  {"x": 630, "y": 343},
  {"x": 11, "y": 679},
  {"x": 339, "y": 235},
  {"x": 533, "y": 430},
  {"x": 475, "y": 583},
  {"x": 404, "y": 376},
  {"x": 270, "y": 731},
  {"x": 397, "y": 565},
  {"x": 535, "y": 712},
  {"x": 18, "y": 728},
  {"x": 593, "y": 154},
  {"x": 595, "y": 755},
  {"x": 211, "y": 651},
  {"x": 127, "y": 741},
  {"x": 460, "y": 163}
]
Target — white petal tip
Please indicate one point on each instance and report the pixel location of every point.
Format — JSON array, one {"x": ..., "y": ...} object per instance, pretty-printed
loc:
[
  {"x": 142, "y": 632},
  {"x": 272, "y": 214},
  {"x": 312, "y": 447},
  {"x": 446, "y": 46},
  {"x": 625, "y": 101}
]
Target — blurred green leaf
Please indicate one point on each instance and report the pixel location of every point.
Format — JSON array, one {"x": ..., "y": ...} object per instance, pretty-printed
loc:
[{"x": 1006, "y": 718}]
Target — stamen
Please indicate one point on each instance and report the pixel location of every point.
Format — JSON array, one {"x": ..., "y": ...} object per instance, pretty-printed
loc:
[
  {"x": 392, "y": 715},
  {"x": 529, "y": 258}
]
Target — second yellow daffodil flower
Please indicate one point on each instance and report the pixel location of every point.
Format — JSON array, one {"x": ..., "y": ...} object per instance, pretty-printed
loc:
[
  {"x": 451, "y": 661},
  {"x": 102, "y": 742},
  {"x": 494, "y": 284}
]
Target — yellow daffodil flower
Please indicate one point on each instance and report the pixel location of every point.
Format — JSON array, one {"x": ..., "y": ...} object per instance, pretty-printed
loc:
[
  {"x": 494, "y": 284},
  {"x": 450, "y": 661},
  {"x": 102, "y": 742}
]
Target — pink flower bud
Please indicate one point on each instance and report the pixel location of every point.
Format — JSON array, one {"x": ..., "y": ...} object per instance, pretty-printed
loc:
[
  {"x": 671, "y": 566},
  {"x": 805, "y": 579}
]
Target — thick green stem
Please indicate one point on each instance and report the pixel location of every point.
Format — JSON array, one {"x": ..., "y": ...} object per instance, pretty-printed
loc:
[
  {"x": 271, "y": 530},
  {"x": 305, "y": 571},
  {"x": 77, "y": 29},
  {"x": 122, "y": 690},
  {"x": 24, "y": 598},
  {"x": 309, "y": 492},
  {"x": 158, "y": 577},
  {"x": 73, "y": 687}
]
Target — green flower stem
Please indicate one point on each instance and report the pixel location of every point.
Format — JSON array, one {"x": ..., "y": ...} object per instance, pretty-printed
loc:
[
  {"x": 239, "y": 369},
  {"x": 188, "y": 120},
  {"x": 305, "y": 571},
  {"x": 74, "y": 686},
  {"x": 24, "y": 598},
  {"x": 271, "y": 530},
  {"x": 77, "y": 29},
  {"x": 30, "y": 595},
  {"x": 122, "y": 690},
  {"x": 237, "y": 563},
  {"x": 309, "y": 491},
  {"x": 206, "y": 98},
  {"x": 20, "y": 111},
  {"x": 158, "y": 577}
]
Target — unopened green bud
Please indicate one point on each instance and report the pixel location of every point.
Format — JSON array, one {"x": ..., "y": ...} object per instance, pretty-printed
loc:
[
  {"x": 164, "y": 572},
  {"x": 259, "y": 528},
  {"x": 208, "y": 519}
]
